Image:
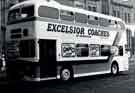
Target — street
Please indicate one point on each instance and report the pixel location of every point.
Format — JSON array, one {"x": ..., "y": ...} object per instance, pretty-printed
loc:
[{"x": 123, "y": 83}]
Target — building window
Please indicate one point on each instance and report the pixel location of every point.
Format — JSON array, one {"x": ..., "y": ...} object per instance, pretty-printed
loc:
[
  {"x": 126, "y": 17},
  {"x": 89, "y": 8},
  {"x": 105, "y": 6},
  {"x": 129, "y": 18},
  {"x": 134, "y": 17},
  {"x": 114, "y": 13},
  {"x": 78, "y": 3},
  {"x": 92, "y": 8},
  {"x": 118, "y": 14},
  {"x": 129, "y": 35}
]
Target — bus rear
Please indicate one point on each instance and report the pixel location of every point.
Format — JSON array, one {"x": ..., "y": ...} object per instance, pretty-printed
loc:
[{"x": 21, "y": 41}]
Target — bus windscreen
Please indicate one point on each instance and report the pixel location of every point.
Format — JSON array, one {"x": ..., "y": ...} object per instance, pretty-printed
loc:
[{"x": 20, "y": 13}]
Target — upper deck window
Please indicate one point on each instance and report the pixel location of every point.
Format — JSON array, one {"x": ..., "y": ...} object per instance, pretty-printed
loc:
[
  {"x": 13, "y": 14},
  {"x": 48, "y": 12},
  {"x": 112, "y": 24},
  {"x": 104, "y": 22},
  {"x": 67, "y": 15},
  {"x": 93, "y": 20},
  {"x": 27, "y": 11},
  {"x": 121, "y": 25},
  {"x": 80, "y": 18},
  {"x": 20, "y": 13},
  {"x": 116, "y": 24}
]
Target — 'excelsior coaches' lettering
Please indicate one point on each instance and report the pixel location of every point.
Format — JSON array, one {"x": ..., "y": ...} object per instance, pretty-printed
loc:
[{"x": 76, "y": 30}]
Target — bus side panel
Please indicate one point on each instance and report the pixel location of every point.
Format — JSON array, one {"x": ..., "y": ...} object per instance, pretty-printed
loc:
[
  {"x": 90, "y": 68},
  {"x": 122, "y": 62}
]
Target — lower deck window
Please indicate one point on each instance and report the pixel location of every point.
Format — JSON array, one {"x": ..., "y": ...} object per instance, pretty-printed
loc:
[
  {"x": 27, "y": 48},
  {"x": 68, "y": 50},
  {"x": 82, "y": 50},
  {"x": 105, "y": 50},
  {"x": 94, "y": 50},
  {"x": 120, "y": 50}
]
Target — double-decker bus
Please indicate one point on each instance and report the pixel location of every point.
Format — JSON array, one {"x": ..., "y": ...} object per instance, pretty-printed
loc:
[{"x": 47, "y": 40}]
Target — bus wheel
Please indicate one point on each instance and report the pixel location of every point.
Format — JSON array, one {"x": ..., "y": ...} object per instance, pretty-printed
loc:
[
  {"x": 114, "y": 69},
  {"x": 66, "y": 74}
]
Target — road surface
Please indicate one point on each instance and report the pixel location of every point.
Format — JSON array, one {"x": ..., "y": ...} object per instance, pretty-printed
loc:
[{"x": 123, "y": 83}]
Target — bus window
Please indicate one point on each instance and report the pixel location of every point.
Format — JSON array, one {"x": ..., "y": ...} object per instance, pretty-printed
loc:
[
  {"x": 121, "y": 25},
  {"x": 80, "y": 18},
  {"x": 27, "y": 11},
  {"x": 48, "y": 12},
  {"x": 105, "y": 50},
  {"x": 121, "y": 50},
  {"x": 20, "y": 13},
  {"x": 112, "y": 24},
  {"x": 92, "y": 20},
  {"x": 67, "y": 15},
  {"x": 68, "y": 50},
  {"x": 82, "y": 50},
  {"x": 14, "y": 15},
  {"x": 104, "y": 22},
  {"x": 94, "y": 50}
]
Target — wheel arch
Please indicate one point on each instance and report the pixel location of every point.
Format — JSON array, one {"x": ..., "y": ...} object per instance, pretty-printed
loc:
[
  {"x": 116, "y": 63},
  {"x": 67, "y": 66}
]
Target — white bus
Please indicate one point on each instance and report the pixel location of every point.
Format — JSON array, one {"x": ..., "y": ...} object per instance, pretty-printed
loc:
[{"x": 47, "y": 40}]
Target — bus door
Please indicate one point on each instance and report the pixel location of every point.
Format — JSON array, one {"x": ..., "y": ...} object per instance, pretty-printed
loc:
[{"x": 47, "y": 58}]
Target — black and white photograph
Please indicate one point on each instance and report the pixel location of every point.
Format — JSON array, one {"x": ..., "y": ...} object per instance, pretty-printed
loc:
[{"x": 67, "y": 46}]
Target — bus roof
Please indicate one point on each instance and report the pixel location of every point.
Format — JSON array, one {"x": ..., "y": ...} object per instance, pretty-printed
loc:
[{"x": 57, "y": 5}]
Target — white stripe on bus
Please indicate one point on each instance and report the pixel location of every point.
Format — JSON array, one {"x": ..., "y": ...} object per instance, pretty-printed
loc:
[
  {"x": 38, "y": 79},
  {"x": 92, "y": 73}
]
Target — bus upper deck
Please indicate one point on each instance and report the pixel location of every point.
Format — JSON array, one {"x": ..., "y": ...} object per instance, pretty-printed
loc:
[{"x": 56, "y": 11}]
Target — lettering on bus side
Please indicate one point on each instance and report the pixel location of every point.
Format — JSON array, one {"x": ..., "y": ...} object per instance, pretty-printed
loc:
[
  {"x": 65, "y": 29},
  {"x": 77, "y": 30},
  {"x": 98, "y": 32}
]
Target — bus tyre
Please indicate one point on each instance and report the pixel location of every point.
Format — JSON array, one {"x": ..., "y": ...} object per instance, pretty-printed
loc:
[
  {"x": 66, "y": 74},
  {"x": 114, "y": 69}
]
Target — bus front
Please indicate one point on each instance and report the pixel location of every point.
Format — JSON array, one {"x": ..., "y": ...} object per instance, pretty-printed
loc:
[{"x": 21, "y": 52}]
